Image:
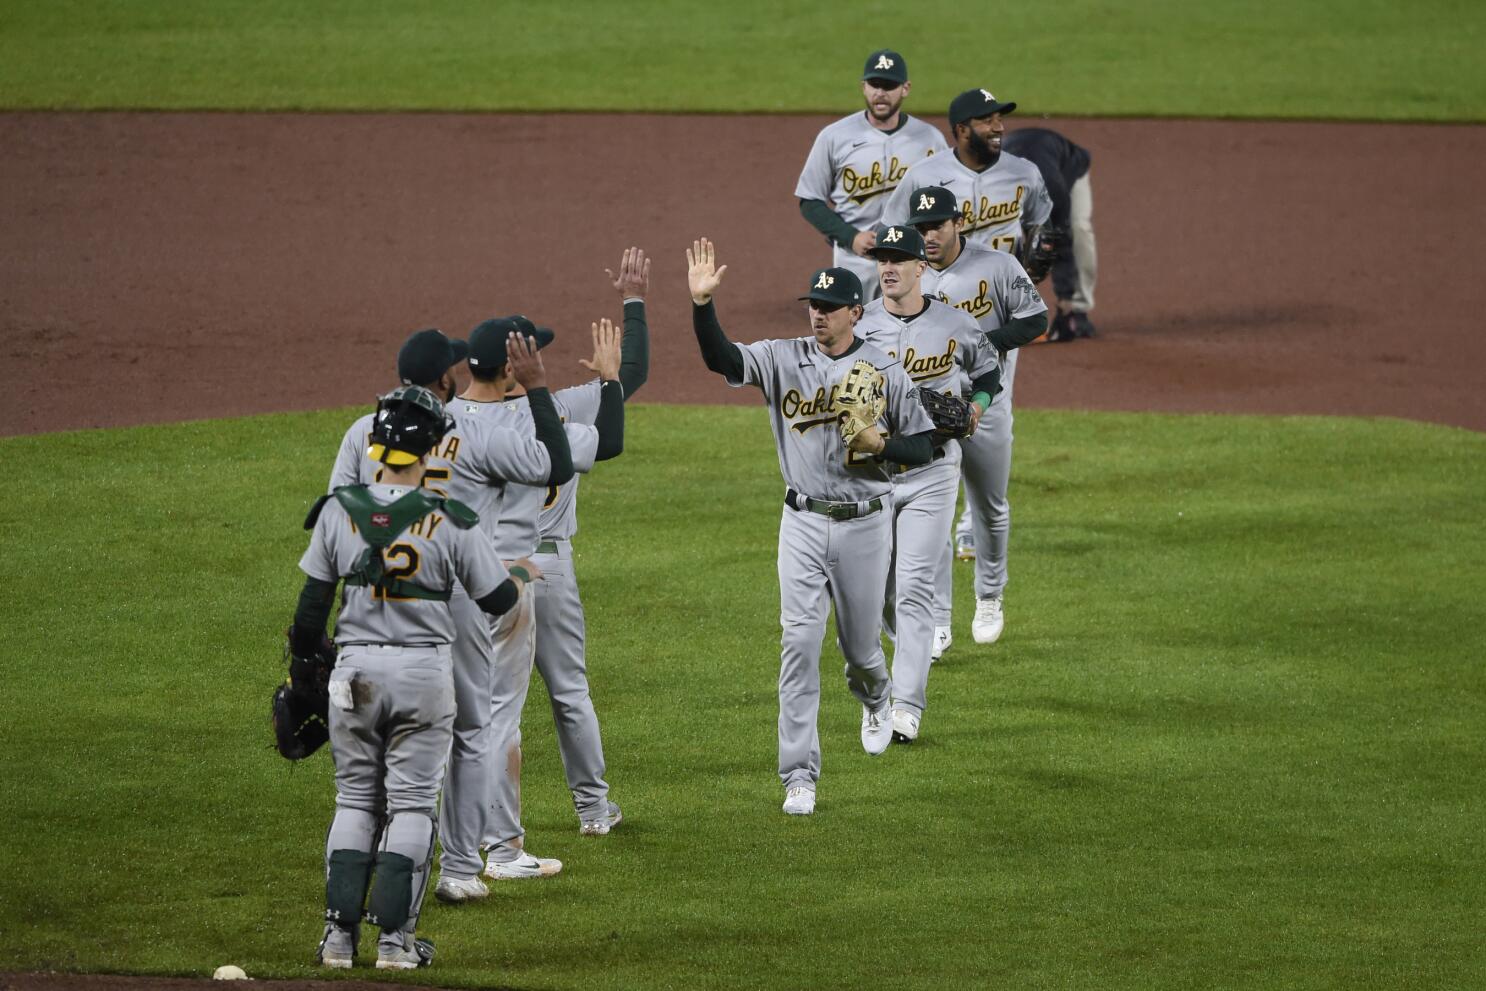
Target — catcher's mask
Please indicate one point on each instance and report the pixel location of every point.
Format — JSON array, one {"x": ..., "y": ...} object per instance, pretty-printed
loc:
[{"x": 409, "y": 422}]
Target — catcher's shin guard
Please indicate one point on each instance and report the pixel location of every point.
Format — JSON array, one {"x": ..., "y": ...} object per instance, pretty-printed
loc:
[
  {"x": 402, "y": 870},
  {"x": 348, "y": 864}
]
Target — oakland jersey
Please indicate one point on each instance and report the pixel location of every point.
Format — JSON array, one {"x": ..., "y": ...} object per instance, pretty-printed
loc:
[
  {"x": 852, "y": 167},
  {"x": 800, "y": 386},
  {"x": 996, "y": 203}
]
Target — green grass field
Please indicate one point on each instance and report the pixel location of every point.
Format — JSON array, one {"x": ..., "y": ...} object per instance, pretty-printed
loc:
[
  {"x": 1354, "y": 59},
  {"x": 1231, "y": 739}
]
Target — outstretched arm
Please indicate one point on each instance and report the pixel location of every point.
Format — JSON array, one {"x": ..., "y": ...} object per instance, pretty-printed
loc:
[
  {"x": 632, "y": 283},
  {"x": 703, "y": 277},
  {"x": 609, "y": 420}
]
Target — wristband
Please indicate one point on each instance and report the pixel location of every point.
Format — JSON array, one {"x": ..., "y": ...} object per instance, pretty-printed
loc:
[{"x": 519, "y": 572}]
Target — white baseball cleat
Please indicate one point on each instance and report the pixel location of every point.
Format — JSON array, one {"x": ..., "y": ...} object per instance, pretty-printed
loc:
[
  {"x": 877, "y": 729},
  {"x": 524, "y": 866},
  {"x": 965, "y": 547},
  {"x": 942, "y": 640},
  {"x": 338, "y": 948},
  {"x": 799, "y": 801},
  {"x": 600, "y": 825},
  {"x": 905, "y": 726},
  {"x": 459, "y": 889},
  {"x": 988, "y": 620}
]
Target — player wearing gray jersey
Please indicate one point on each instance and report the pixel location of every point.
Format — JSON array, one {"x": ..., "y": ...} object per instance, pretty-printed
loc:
[
  {"x": 993, "y": 288},
  {"x": 475, "y": 462},
  {"x": 858, "y": 160},
  {"x": 998, "y": 194},
  {"x": 401, "y": 551},
  {"x": 490, "y": 397},
  {"x": 941, "y": 348},
  {"x": 835, "y": 532},
  {"x": 561, "y": 636}
]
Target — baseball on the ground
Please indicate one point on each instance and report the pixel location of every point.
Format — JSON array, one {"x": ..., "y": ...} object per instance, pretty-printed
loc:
[{"x": 229, "y": 972}]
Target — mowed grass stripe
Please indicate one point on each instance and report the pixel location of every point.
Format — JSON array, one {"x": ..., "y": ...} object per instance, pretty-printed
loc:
[
  {"x": 1324, "y": 58},
  {"x": 1231, "y": 737}
]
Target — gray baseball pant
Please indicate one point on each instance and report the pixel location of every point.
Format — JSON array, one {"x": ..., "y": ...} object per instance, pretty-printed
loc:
[
  {"x": 923, "y": 508},
  {"x": 823, "y": 563},
  {"x": 560, "y": 660},
  {"x": 513, "y": 637},
  {"x": 467, "y": 784}
]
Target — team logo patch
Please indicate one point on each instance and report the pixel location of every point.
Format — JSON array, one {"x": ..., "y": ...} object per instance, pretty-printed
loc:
[
  {"x": 381, "y": 519},
  {"x": 893, "y": 235},
  {"x": 824, "y": 282},
  {"x": 883, "y": 62},
  {"x": 925, "y": 201},
  {"x": 987, "y": 94}
]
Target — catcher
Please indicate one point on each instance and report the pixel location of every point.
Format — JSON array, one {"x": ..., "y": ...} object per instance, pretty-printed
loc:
[
  {"x": 842, "y": 419},
  {"x": 390, "y": 695},
  {"x": 941, "y": 348}
]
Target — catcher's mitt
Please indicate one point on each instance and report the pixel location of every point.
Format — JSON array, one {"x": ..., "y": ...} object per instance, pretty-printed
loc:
[
  {"x": 301, "y": 705},
  {"x": 1041, "y": 249},
  {"x": 861, "y": 399},
  {"x": 951, "y": 414}
]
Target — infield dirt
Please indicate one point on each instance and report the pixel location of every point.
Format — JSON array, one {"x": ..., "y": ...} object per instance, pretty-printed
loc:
[{"x": 162, "y": 267}]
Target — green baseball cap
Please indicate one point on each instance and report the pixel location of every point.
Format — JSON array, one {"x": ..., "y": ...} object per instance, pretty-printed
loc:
[
  {"x": 899, "y": 239},
  {"x": 932, "y": 204},
  {"x": 836, "y": 286},
  {"x": 488, "y": 340},
  {"x": 975, "y": 103},
  {"x": 886, "y": 64},
  {"x": 427, "y": 355}
]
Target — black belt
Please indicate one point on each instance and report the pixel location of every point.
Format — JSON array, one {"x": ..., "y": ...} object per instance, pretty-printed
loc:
[
  {"x": 835, "y": 510},
  {"x": 547, "y": 547}
]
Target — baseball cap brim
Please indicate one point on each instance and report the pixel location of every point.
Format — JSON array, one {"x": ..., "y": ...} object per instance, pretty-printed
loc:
[
  {"x": 397, "y": 459},
  {"x": 821, "y": 297}
]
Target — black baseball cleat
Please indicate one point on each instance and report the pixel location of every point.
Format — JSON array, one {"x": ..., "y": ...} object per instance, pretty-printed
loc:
[
  {"x": 1081, "y": 325},
  {"x": 1060, "y": 330}
]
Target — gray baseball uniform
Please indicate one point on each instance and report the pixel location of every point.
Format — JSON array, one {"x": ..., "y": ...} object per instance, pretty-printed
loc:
[
  {"x": 942, "y": 348},
  {"x": 843, "y": 558},
  {"x": 995, "y": 203},
  {"x": 392, "y": 704},
  {"x": 477, "y": 462},
  {"x": 992, "y": 287},
  {"x": 513, "y": 636},
  {"x": 853, "y": 166}
]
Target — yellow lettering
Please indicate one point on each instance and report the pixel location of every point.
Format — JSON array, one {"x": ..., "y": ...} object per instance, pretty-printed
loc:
[
  {"x": 860, "y": 188},
  {"x": 988, "y": 214},
  {"x": 921, "y": 367}
]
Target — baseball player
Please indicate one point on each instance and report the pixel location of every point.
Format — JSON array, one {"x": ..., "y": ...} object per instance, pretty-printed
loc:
[
  {"x": 999, "y": 194},
  {"x": 491, "y": 397},
  {"x": 476, "y": 463},
  {"x": 993, "y": 288},
  {"x": 400, "y": 550},
  {"x": 1065, "y": 168},
  {"x": 835, "y": 532},
  {"x": 942, "y": 348},
  {"x": 560, "y": 628},
  {"x": 858, "y": 160}
]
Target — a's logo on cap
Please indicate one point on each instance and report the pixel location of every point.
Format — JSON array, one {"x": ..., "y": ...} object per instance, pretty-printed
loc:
[
  {"x": 883, "y": 62},
  {"x": 987, "y": 94},
  {"x": 893, "y": 235},
  {"x": 925, "y": 201},
  {"x": 824, "y": 282},
  {"x": 381, "y": 519}
]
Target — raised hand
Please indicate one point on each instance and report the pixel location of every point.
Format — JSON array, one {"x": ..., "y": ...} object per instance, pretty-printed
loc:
[
  {"x": 633, "y": 280},
  {"x": 702, "y": 274},
  {"x": 606, "y": 341},
  {"x": 526, "y": 361}
]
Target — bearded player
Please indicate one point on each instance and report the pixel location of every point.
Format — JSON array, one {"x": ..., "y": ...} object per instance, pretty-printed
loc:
[{"x": 857, "y": 161}]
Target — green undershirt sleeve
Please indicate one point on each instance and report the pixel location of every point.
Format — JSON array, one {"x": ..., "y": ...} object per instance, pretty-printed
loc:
[
  {"x": 828, "y": 222},
  {"x": 550, "y": 432},
  {"x": 1015, "y": 333},
  {"x": 610, "y": 421},
  {"x": 914, "y": 449},
  {"x": 634, "y": 353},
  {"x": 310, "y": 616}
]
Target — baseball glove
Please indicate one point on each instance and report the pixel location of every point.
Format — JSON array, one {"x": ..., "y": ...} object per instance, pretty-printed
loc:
[
  {"x": 950, "y": 414},
  {"x": 1041, "y": 249},
  {"x": 861, "y": 399},
  {"x": 300, "y": 709}
]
